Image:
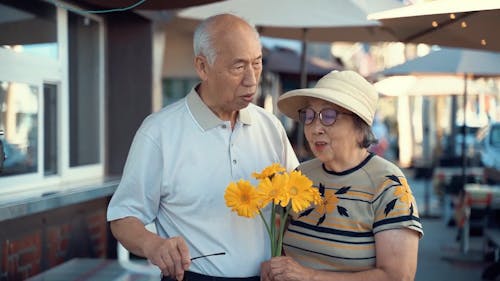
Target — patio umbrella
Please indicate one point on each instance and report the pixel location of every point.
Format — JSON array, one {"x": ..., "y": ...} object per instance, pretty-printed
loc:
[
  {"x": 313, "y": 20},
  {"x": 454, "y": 23},
  {"x": 454, "y": 61},
  {"x": 325, "y": 20},
  {"x": 462, "y": 63},
  {"x": 419, "y": 85},
  {"x": 143, "y": 4},
  {"x": 287, "y": 61}
]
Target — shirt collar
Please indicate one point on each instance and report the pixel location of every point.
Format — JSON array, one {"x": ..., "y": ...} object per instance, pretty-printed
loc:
[{"x": 205, "y": 117}]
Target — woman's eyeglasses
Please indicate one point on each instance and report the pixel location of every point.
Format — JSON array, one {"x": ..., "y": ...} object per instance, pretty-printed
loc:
[{"x": 327, "y": 116}]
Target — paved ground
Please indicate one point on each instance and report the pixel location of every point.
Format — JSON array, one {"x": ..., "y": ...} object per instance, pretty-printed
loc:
[{"x": 440, "y": 257}]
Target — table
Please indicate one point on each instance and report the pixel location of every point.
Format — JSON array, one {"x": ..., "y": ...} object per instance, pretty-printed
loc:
[
  {"x": 478, "y": 197},
  {"x": 81, "y": 269}
]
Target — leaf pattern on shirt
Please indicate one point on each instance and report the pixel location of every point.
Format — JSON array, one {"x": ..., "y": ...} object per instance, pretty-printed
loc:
[
  {"x": 402, "y": 192},
  {"x": 329, "y": 204}
]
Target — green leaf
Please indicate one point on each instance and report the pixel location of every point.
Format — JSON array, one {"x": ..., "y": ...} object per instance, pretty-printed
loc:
[
  {"x": 342, "y": 211},
  {"x": 343, "y": 190},
  {"x": 390, "y": 206},
  {"x": 322, "y": 189},
  {"x": 321, "y": 220},
  {"x": 306, "y": 212},
  {"x": 394, "y": 178}
]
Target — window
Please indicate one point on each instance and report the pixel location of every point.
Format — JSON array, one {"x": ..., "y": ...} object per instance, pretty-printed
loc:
[
  {"x": 51, "y": 102},
  {"x": 50, "y": 142},
  {"x": 28, "y": 26},
  {"x": 84, "y": 95},
  {"x": 19, "y": 122},
  {"x": 176, "y": 88}
]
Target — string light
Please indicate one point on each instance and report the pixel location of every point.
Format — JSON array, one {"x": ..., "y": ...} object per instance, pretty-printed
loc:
[
  {"x": 463, "y": 24},
  {"x": 452, "y": 16},
  {"x": 483, "y": 42},
  {"x": 434, "y": 23}
]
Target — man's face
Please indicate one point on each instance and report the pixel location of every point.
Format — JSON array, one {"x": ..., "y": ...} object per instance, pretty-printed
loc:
[{"x": 233, "y": 78}]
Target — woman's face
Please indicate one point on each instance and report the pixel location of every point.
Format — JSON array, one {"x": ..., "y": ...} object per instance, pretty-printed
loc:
[{"x": 334, "y": 143}]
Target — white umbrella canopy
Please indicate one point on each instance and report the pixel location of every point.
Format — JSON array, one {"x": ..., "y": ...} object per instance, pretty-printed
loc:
[
  {"x": 414, "y": 85},
  {"x": 455, "y": 61},
  {"x": 454, "y": 23},
  {"x": 311, "y": 20},
  {"x": 155, "y": 5},
  {"x": 462, "y": 63},
  {"x": 324, "y": 20}
]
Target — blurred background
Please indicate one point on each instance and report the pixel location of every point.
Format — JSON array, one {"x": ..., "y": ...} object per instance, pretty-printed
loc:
[{"x": 77, "y": 78}]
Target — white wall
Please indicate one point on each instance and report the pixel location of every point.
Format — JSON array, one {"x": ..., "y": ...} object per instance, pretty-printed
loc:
[{"x": 178, "y": 58}]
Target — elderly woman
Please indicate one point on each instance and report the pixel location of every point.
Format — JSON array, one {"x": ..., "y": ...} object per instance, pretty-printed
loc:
[{"x": 367, "y": 226}]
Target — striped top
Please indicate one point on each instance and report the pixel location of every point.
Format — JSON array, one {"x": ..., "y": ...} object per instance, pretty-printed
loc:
[{"x": 338, "y": 235}]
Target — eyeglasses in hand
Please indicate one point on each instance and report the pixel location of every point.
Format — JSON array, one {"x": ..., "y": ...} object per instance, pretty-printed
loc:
[{"x": 199, "y": 257}]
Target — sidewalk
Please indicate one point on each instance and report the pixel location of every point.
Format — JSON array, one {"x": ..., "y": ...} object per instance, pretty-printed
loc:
[{"x": 439, "y": 256}]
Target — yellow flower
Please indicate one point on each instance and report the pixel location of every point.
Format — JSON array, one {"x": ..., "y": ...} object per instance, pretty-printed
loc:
[
  {"x": 269, "y": 171},
  {"x": 328, "y": 203},
  {"x": 291, "y": 191},
  {"x": 242, "y": 197},
  {"x": 298, "y": 190},
  {"x": 271, "y": 190},
  {"x": 403, "y": 192}
]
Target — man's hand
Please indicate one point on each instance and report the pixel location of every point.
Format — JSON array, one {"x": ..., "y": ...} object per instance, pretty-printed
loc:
[{"x": 170, "y": 255}]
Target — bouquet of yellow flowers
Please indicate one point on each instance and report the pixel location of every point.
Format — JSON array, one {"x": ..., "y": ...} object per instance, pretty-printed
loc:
[{"x": 284, "y": 191}]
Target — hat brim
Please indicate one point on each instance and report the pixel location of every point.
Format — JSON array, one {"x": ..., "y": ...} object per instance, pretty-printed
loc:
[{"x": 290, "y": 102}]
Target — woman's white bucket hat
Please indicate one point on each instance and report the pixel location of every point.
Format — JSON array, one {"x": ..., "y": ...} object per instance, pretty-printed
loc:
[{"x": 346, "y": 89}]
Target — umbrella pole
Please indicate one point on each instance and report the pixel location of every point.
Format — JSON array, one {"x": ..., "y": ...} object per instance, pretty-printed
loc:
[
  {"x": 303, "y": 84},
  {"x": 464, "y": 241},
  {"x": 303, "y": 60}
]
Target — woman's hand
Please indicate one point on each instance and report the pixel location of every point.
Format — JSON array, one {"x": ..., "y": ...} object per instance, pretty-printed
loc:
[{"x": 284, "y": 269}]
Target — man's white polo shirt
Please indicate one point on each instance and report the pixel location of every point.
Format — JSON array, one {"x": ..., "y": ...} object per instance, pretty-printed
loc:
[{"x": 179, "y": 165}]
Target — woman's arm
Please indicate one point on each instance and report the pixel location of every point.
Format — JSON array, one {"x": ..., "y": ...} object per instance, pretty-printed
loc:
[{"x": 396, "y": 259}]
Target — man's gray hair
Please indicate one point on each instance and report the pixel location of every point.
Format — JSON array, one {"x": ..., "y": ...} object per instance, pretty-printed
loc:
[{"x": 203, "y": 38}]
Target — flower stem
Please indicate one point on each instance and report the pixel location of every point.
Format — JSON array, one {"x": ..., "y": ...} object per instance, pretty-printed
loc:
[
  {"x": 272, "y": 237},
  {"x": 265, "y": 223},
  {"x": 283, "y": 218}
]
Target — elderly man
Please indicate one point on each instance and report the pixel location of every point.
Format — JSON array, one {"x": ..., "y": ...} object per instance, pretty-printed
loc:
[{"x": 183, "y": 157}]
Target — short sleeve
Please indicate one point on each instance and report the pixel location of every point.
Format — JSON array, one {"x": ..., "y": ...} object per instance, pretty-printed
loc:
[
  {"x": 139, "y": 192},
  {"x": 394, "y": 206}
]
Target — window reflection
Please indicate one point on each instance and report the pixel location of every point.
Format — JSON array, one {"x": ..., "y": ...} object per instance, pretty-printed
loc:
[
  {"x": 50, "y": 131},
  {"x": 28, "y": 26},
  {"x": 84, "y": 98},
  {"x": 19, "y": 120}
]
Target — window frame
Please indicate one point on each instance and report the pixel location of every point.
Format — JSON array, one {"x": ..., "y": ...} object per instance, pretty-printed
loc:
[{"x": 38, "y": 70}]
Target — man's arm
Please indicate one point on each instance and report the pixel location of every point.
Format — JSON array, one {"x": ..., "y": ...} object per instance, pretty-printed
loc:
[{"x": 170, "y": 255}]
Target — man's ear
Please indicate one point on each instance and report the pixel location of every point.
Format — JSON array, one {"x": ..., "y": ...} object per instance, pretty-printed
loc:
[{"x": 201, "y": 66}]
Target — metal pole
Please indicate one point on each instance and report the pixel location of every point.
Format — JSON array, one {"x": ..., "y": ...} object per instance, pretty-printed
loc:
[
  {"x": 464, "y": 132},
  {"x": 464, "y": 241},
  {"x": 303, "y": 84}
]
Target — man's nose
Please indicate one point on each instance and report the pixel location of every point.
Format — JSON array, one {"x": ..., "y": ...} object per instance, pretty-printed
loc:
[{"x": 250, "y": 78}]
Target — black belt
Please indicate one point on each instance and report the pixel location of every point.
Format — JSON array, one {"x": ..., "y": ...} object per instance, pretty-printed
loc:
[{"x": 193, "y": 276}]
